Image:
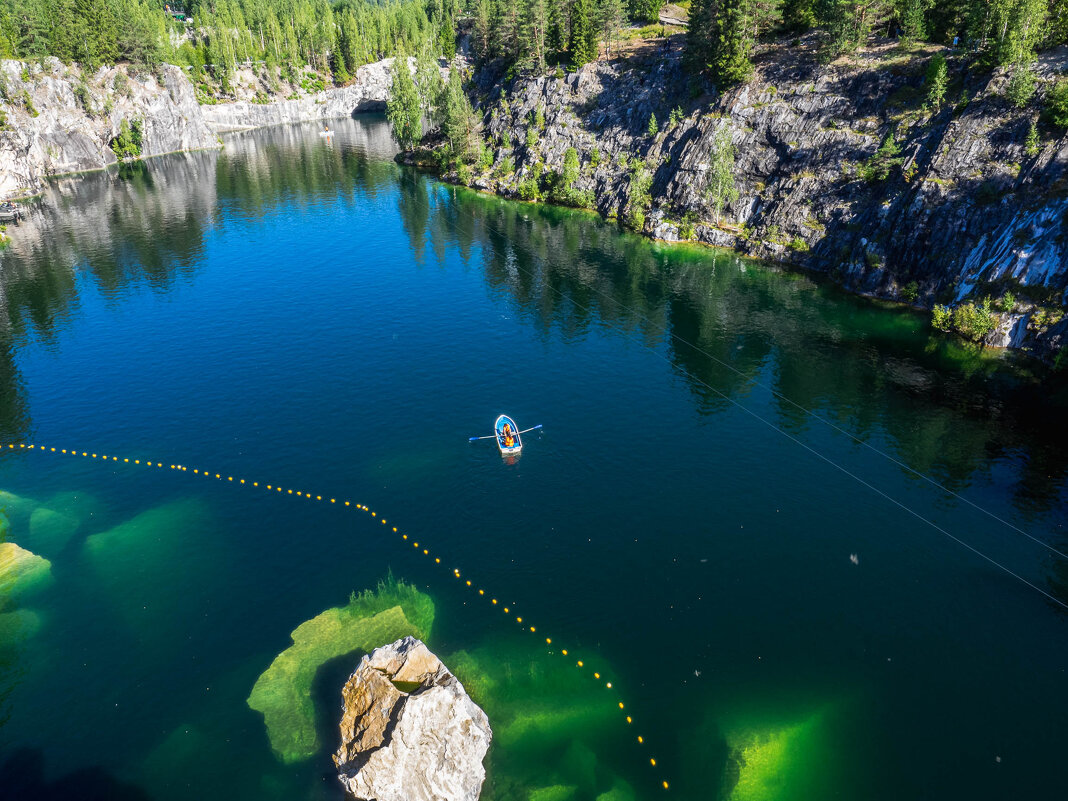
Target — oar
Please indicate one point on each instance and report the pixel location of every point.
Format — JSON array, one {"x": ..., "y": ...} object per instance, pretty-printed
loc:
[{"x": 492, "y": 436}]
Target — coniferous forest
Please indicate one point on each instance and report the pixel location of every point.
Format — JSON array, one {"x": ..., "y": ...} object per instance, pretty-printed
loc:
[{"x": 214, "y": 37}]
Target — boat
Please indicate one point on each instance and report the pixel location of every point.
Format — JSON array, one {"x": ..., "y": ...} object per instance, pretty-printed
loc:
[
  {"x": 10, "y": 212},
  {"x": 327, "y": 132},
  {"x": 502, "y": 440}
]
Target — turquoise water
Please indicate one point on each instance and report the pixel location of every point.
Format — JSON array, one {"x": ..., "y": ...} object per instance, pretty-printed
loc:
[{"x": 310, "y": 315}]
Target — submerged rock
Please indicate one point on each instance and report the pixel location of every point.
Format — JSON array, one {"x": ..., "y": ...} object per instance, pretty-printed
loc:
[
  {"x": 409, "y": 731},
  {"x": 21, "y": 570}
]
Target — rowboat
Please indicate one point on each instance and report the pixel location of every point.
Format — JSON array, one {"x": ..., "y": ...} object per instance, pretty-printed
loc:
[
  {"x": 509, "y": 443},
  {"x": 10, "y": 212}
]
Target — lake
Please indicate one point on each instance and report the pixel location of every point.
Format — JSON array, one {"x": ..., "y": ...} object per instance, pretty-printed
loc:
[{"x": 816, "y": 550}]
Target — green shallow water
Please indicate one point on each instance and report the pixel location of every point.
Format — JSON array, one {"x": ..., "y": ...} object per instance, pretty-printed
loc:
[{"x": 310, "y": 315}]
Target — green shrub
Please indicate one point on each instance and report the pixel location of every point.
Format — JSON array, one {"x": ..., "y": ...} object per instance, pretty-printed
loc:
[
  {"x": 799, "y": 244},
  {"x": 84, "y": 99},
  {"x": 532, "y": 138},
  {"x": 1057, "y": 104},
  {"x": 506, "y": 139},
  {"x": 635, "y": 218},
  {"x": 974, "y": 322},
  {"x": 595, "y": 157},
  {"x": 942, "y": 318},
  {"x": 1044, "y": 318},
  {"x": 1022, "y": 85},
  {"x": 27, "y": 104},
  {"x": 910, "y": 292},
  {"x": 883, "y": 161},
  {"x": 688, "y": 226},
  {"x": 529, "y": 189},
  {"x": 506, "y": 167},
  {"x": 653, "y": 128},
  {"x": 1031, "y": 144},
  {"x": 127, "y": 144},
  {"x": 464, "y": 173},
  {"x": 1007, "y": 302},
  {"x": 675, "y": 117}
]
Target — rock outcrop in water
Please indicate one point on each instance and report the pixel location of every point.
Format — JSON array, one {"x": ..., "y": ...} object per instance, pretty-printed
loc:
[
  {"x": 409, "y": 732},
  {"x": 965, "y": 209}
]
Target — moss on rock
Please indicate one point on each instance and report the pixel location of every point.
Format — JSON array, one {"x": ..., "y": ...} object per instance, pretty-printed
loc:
[{"x": 283, "y": 692}]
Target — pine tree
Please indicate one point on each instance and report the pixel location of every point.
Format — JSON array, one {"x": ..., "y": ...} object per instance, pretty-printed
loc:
[
  {"x": 533, "y": 31},
  {"x": 611, "y": 22},
  {"x": 645, "y": 10},
  {"x": 722, "y": 34},
  {"x": 458, "y": 120},
  {"x": 721, "y": 189},
  {"x": 403, "y": 110},
  {"x": 936, "y": 79},
  {"x": 582, "y": 45},
  {"x": 849, "y": 23},
  {"x": 337, "y": 62},
  {"x": 912, "y": 15}
]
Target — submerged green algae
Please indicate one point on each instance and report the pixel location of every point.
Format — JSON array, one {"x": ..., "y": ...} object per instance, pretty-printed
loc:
[
  {"x": 283, "y": 693},
  {"x": 556, "y": 737},
  {"x": 17, "y": 626},
  {"x": 775, "y": 762},
  {"x": 147, "y": 564},
  {"x": 21, "y": 571}
]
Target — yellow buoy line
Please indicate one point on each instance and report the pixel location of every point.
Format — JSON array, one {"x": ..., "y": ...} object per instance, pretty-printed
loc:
[{"x": 419, "y": 547}]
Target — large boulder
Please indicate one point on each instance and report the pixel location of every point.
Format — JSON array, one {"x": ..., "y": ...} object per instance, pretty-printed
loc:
[{"x": 409, "y": 731}]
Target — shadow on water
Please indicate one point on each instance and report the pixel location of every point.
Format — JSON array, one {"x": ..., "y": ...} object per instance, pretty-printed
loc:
[
  {"x": 729, "y": 324},
  {"x": 22, "y": 776}
]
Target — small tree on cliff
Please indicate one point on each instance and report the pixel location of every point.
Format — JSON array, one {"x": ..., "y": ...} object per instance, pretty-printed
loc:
[
  {"x": 402, "y": 110},
  {"x": 721, "y": 189}
]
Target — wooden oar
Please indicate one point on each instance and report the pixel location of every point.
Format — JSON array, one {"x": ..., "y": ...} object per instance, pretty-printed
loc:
[{"x": 493, "y": 436}]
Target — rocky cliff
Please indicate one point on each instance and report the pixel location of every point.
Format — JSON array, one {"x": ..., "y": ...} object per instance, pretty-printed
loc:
[
  {"x": 369, "y": 91},
  {"x": 56, "y": 119},
  {"x": 965, "y": 209}
]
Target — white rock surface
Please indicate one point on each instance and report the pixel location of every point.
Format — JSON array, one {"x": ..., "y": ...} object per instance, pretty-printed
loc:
[
  {"x": 422, "y": 741},
  {"x": 49, "y": 131},
  {"x": 369, "y": 91}
]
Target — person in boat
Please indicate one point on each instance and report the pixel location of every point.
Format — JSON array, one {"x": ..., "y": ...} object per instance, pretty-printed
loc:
[{"x": 509, "y": 437}]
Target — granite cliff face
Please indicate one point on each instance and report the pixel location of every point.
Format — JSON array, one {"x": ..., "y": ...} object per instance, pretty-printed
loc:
[
  {"x": 58, "y": 120},
  {"x": 965, "y": 211}
]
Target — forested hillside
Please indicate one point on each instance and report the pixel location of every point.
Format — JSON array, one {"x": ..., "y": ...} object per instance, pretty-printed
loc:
[{"x": 213, "y": 38}]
